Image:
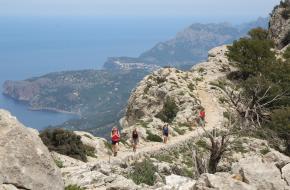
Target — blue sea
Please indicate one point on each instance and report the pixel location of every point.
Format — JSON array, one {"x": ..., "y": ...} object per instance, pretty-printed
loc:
[{"x": 35, "y": 46}]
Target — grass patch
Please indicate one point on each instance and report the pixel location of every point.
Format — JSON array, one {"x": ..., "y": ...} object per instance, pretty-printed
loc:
[
  {"x": 58, "y": 163},
  {"x": 153, "y": 137},
  {"x": 124, "y": 142},
  {"x": 238, "y": 147},
  {"x": 265, "y": 150},
  {"x": 73, "y": 187},
  {"x": 143, "y": 124},
  {"x": 164, "y": 158},
  {"x": 201, "y": 144},
  {"x": 108, "y": 145},
  {"x": 179, "y": 131},
  {"x": 143, "y": 172}
]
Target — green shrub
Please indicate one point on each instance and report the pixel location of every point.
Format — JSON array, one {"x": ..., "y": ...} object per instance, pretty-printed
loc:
[
  {"x": 58, "y": 163},
  {"x": 179, "y": 131},
  {"x": 265, "y": 150},
  {"x": 280, "y": 123},
  {"x": 64, "y": 142},
  {"x": 143, "y": 172},
  {"x": 258, "y": 34},
  {"x": 202, "y": 144},
  {"x": 90, "y": 151},
  {"x": 73, "y": 187},
  {"x": 201, "y": 70},
  {"x": 169, "y": 111},
  {"x": 223, "y": 100},
  {"x": 143, "y": 123},
  {"x": 153, "y": 137},
  {"x": 160, "y": 80},
  {"x": 226, "y": 115},
  {"x": 191, "y": 87},
  {"x": 164, "y": 158}
]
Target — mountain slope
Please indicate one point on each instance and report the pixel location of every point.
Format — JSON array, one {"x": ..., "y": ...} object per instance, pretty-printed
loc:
[{"x": 192, "y": 44}]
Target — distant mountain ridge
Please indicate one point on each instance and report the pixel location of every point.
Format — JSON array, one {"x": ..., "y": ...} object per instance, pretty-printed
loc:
[{"x": 191, "y": 44}]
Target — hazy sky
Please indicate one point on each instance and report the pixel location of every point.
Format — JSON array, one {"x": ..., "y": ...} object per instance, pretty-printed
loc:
[{"x": 144, "y": 8}]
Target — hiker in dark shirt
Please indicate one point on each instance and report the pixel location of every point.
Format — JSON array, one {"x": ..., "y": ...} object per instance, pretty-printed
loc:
[
  {"x": 135, "y": 139},
  {"x": 165, "y": 132}
]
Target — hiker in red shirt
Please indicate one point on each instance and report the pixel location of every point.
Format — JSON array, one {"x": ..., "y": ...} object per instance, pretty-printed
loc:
[
  {"x": 202, "y": 117},
  {"x": 115, "y": 136}
]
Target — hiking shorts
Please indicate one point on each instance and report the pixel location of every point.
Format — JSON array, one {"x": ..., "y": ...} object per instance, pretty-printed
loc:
[
  {"x": 114, "y": 142},
  {"x": 165, "y": 134}
]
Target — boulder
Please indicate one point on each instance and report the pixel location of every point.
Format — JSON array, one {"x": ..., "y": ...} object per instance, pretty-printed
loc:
[
  {"x": 25, "y": 161},
  {"x": 8, "y": 187},
  {"x": 175, "y": 180},
  {"x": 286, "y": 173},
  {"x": 219, "y": 182},
  {"x": 95, "y": 142},
  {"x": 258, "y": 173},
  {"x": 122, "y": 183},
  {"x": 278, "y": 158}
]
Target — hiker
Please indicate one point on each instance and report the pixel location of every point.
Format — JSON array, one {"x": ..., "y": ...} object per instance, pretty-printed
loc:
[
  {"x": 202, "y": 117},
  {"x": 135, "y": 139},
  {"x": 115, "y": 136},
  {"x": 165, "y": 131}
]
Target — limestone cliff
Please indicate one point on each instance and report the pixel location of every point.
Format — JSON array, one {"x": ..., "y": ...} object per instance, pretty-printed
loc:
[{"x": 279, "y": 25}]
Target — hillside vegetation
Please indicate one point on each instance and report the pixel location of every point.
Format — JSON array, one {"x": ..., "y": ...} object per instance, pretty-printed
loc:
[{"x": 262, "y": 98}]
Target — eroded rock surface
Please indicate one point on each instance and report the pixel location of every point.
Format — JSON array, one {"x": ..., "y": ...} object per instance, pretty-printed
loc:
[{"x": 25, "y": 161}]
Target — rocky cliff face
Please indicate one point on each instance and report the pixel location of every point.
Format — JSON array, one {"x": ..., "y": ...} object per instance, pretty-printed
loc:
[
  {"x": 279, "y": 25},
  {"x": 149, "y": 101},
  {"x": 25, "y": 161}
]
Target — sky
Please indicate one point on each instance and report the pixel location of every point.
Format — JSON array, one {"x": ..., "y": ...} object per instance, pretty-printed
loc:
[{"x": 138, "y": 8}]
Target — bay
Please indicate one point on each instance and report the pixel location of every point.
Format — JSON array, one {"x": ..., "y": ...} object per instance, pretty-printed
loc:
[{"x": 32, "y": 47}]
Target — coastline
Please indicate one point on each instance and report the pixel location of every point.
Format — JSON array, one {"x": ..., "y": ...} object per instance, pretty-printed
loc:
[{"x": 47, "y": 109}]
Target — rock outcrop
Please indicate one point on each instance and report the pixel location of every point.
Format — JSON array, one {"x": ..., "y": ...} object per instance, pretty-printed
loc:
[
  {"x": 279, "y": 25},
  {"x": 25, "y": 161},
  {"x": 259, "y": 174},
  {"x": 155, "y": 92}
]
